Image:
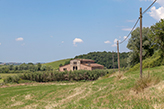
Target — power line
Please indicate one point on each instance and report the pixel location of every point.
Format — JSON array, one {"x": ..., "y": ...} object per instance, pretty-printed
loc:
[
  {"x": 137, "y": 22},
  {"x": 130, "y": 31},
  {"x": 149, "y": 7}
]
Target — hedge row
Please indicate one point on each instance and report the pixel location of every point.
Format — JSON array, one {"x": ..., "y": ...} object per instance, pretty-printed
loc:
[{"x": 59, "y": 76}]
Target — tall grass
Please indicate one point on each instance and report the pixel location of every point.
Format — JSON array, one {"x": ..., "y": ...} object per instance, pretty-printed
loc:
[{"x": 145, "y": 82}]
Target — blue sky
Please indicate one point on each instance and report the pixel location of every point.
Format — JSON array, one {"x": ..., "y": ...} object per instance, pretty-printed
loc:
[{"x": 50, "y": 30}]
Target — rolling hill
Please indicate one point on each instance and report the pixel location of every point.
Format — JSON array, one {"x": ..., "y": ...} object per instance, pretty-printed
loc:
[{"x": 56, "y": 64}]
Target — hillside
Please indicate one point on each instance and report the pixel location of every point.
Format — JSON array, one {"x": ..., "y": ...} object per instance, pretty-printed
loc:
[
  {"x": 56, "y": 64},
  {"x": 106, "y": 58},
  {"x": 104, "y": 93},
  {"x": 103, "y": 58}
]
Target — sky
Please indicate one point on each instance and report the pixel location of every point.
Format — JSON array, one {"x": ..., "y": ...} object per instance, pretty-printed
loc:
[{"x": 50, "y": 30}]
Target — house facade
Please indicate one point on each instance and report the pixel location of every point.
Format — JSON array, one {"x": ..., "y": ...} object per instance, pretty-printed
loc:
[{"x": 81, "y": 64}]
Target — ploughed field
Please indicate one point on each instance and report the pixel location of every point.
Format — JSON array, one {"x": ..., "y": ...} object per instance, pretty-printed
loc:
[{"x": 107, "y": 92}]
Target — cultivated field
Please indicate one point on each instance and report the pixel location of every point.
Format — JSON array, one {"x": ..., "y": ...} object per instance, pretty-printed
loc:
[{"x": 105, "y": 93}]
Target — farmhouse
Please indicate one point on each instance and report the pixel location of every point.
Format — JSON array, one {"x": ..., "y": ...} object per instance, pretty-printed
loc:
[{"x": 81, "y": 64}]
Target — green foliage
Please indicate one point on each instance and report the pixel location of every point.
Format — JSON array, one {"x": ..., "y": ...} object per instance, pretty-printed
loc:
[
  {"x": 157, "y": 35},
  {"x": 150, "y": 62},
  {"x": 60, "y": 65},
  {"x": 106, "y": 59},
  {"x": 134, "y": 46},
  {"x": 24, "y": 68},
  {"x": 77, "y": 75},
  {"x": 12, "y": 79}
]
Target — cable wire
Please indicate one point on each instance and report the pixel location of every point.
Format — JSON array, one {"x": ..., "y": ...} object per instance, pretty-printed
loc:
[
  {"x": 137, "y": 22},
  {"x": 130, "y": 31},
  {"x": 149, "y": 7}
]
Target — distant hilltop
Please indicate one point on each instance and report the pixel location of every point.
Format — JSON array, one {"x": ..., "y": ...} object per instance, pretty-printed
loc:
[
  {"x": 9, "y": 63},
  {"x": 16, "y": 63}
]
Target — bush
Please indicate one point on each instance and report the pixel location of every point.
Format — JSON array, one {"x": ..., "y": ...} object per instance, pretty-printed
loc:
[
  {"x": 145, "y": 82},
  {"x": 12, "y": 79},
  {"x": 155, "y": 60}
]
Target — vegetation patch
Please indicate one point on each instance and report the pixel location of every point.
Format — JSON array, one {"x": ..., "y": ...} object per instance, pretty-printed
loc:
[
  {"x": 102, "y": 93},
  {"x": 78, "y": 75},
  {"x": 155, "y": 60},
  {"x": 145, "y": 82}
]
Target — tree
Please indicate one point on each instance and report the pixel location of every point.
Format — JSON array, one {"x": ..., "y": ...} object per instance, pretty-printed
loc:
[
  {"x": 157, "y": 35},
  {"x": 134, "y": 46},
  {"x": 38, "y": 66},
  {"x": 60, "y": 65}
]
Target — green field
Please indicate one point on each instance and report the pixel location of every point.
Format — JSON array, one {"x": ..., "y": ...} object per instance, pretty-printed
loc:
[
  {"x": 104, "y": 93},
  {"x": 56, "y": 64}
]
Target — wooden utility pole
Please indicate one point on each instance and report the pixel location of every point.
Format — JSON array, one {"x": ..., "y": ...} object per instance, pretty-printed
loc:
[
  {"x": 141, "y": 42},
  {"x": 113, "y": 60},
  {"x": 118, "y": 56}
]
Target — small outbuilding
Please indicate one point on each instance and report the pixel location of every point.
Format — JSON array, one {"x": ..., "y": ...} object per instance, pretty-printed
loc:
[{"x": 81, "y": 64}]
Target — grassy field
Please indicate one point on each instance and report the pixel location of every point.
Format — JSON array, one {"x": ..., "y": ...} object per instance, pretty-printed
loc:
[
  {"x": 104, "y": 93},
  {"x": 56, "y": 64}
]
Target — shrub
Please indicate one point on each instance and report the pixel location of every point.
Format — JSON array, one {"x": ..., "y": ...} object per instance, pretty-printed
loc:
[
  {"x": 12, "y": 79},
  {"x": 145, "y": 82},
  {"x": 150, "y": 62}
]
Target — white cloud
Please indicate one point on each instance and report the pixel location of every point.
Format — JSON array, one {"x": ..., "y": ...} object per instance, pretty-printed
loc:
[
  {"x": 0, "y": 43},
  {"x": 62, "y": 42},
  {"x": 51, "y": 36},
  {"x": 125, "y": 37},
  {"x": 77, "y": 40},
  {"x": 115, "y": 42},
  {"x": 107, "y": 42},
  {"x": 114, "y": 45},
  {"x": 161, "y": 2},
  {"x": 127, "y": 29},
  {"x": 157, "y": 13},
  {"x": 120, "y": 37},
  {"x": 19, "y": 39}
]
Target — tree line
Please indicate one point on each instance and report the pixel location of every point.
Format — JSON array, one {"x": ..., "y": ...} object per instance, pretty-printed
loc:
[
  {"x": 30, "y": 67},
  {"x": 106, "y": 58},
  {"x": 153, "y": 41}
]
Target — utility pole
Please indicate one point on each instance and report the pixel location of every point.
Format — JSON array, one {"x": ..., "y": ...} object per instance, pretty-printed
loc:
[
  {"x": 140, "y": 42},
  {"x": 113, "y": 60},
  {"x": 118, "y": 56}
]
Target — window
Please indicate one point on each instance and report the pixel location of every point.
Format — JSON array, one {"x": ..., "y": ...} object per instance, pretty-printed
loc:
[
  {"x": 74, "y": 62},
  {"x": 64, "y": 69},
  {"x": 74, "y": 67}
]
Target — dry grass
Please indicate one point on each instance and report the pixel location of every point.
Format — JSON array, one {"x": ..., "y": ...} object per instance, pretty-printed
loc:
[
  {"x": 145, "y": 82},
  {"x": 119, "y": 76}
]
